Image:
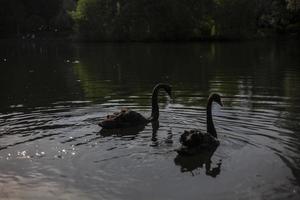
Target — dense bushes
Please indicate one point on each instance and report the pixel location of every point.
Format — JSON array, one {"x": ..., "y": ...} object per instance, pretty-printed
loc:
[
  {"x": 143, "y": 19},
  {"x": 179, "y": 19},
  {"x": 127, "y": 20},
  {"x": 133, "y": 19}
]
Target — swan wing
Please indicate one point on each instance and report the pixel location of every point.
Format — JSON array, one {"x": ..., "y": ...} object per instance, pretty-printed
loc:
[
  {"x": 191, "y": 138},
  {"x": 124, "y": 118},
  {"x": 130, "y": 116}
]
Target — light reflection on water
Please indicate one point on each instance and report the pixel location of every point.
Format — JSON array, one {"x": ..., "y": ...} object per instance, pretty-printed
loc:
[{"x": 51, "y": 146}]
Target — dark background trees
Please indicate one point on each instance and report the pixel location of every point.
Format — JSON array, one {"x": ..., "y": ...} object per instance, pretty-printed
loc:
[
  {"x": 136, "y": 20},
  {"x": 19, "y": 17},
  {"x": 184, "y": 19}
]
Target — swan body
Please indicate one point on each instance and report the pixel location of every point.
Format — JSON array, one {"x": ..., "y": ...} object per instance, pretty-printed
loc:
[
  {"x": 128, "y": 118},
  {"x": 124, "y": 118},
  {"x": 194, "y": 141}
]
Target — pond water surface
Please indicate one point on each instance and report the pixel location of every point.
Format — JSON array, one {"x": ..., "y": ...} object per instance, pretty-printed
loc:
[{"x": 53, "y": 94}]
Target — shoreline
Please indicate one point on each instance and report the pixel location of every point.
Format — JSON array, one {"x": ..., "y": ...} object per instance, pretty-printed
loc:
[{"x": 71, "y": 38}]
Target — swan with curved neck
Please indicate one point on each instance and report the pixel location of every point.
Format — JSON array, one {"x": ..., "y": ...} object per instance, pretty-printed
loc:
[
  {"x": 128, "y": 118},
  {"x": 209, "y": 122},
  {"x": 194, "y": 140}
]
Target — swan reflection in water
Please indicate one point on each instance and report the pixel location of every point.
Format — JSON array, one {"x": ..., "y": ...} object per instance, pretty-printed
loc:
[
  {"x": 202, "y": 160},
  {"x": 155, "y": 142}
]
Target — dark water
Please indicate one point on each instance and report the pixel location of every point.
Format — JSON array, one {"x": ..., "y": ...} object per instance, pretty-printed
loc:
[{"x": 54, "y": 93}]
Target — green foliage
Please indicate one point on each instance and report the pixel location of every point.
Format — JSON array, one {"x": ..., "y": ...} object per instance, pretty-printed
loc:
[
  {"x": 171, "y": 19},
  {"x": 142, "y": 19},
  {"x": 128, "y": 20}
]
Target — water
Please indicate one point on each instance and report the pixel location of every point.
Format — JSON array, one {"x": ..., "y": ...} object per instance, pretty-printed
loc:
[{"x": 54, "y": 93}]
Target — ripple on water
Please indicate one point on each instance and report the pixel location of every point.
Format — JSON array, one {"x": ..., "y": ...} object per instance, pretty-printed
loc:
[{"x": 66, "y": 138}]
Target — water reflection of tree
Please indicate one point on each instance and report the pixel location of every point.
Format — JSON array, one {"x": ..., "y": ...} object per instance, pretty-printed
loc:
[
  {"x": 193, "y": 69},
  {"x": 35, "y": 73}
]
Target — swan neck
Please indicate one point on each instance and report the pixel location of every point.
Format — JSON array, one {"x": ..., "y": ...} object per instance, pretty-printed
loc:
[
  {"x": 209, "y": 121},
  {"x": 155, "y": 109}
]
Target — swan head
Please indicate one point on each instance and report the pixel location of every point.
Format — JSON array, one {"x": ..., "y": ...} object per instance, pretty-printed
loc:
[
  {"x": 216, "y": 98},
  {"x": 166, "y": 87}
]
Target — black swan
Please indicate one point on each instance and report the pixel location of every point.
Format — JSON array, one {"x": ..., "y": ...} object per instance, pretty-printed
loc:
[
  {"x": 195, "y": 141},
  {"x": 127, "y": 118}
]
